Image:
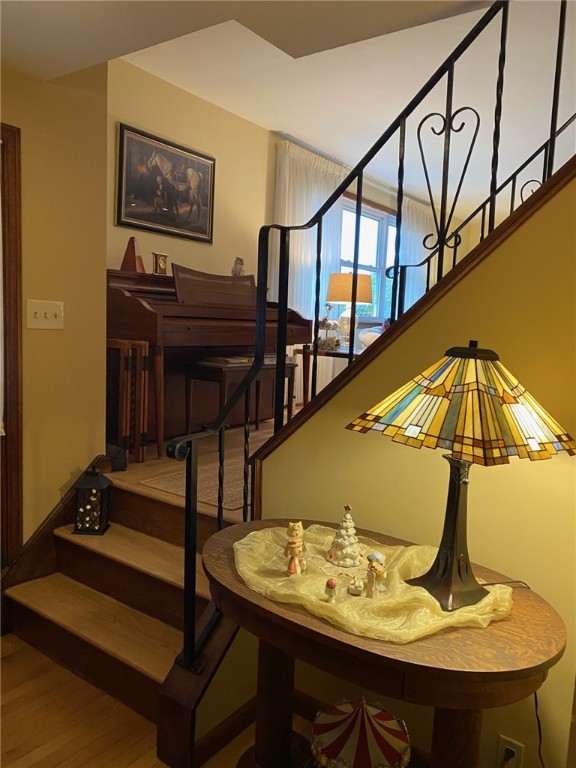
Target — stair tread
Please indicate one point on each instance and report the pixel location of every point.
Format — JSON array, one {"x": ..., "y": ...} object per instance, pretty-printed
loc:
[
  {"x": 144, "y": 553},
  {"x": 138, "y": 640}
]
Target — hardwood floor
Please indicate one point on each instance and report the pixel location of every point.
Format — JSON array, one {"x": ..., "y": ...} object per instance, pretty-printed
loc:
[{"x": 53, "y": 719}]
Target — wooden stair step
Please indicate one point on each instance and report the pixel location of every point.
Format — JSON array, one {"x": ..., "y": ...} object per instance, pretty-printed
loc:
[
  {"x": 143, "y": 643},
  {"x": 156, "y": 518},
  {"x": 143, "y": 553}
]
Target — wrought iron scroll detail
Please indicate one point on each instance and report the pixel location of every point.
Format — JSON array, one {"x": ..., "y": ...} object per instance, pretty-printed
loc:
[
  {"x": 526, "y": 190},
  {"x": 456, "y": 124}
]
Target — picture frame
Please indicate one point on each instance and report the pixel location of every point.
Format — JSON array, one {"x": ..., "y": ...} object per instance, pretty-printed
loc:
[
  {"x": 160, "y": 263},
  {"x": 164, "y": 187}
]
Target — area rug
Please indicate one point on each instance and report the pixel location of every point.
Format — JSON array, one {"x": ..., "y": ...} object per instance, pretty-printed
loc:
[{"x": 207, "y": 483}]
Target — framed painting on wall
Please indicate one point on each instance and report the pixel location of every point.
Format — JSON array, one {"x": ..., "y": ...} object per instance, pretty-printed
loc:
[{"x": 164, "y": 187}]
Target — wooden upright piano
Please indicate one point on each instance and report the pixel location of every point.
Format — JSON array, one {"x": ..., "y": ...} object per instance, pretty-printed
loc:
[{"x": 185, "y": 318}]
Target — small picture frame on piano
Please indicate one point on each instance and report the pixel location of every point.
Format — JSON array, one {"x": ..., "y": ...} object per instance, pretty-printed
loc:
[
  {"x": 164, "y": 187},
  {"x": 160, "y": 263}
]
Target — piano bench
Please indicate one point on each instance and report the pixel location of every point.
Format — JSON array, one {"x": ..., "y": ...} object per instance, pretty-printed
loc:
[{"x": 232, "y": 373}]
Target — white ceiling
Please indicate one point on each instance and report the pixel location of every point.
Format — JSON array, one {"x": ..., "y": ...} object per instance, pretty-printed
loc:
[
  {"x": 333, "y": 75},
  {"x": 339, "y": 100}
]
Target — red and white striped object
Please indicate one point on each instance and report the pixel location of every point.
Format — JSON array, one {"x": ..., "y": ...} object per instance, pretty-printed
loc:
[{"x": 349, "y": 735}]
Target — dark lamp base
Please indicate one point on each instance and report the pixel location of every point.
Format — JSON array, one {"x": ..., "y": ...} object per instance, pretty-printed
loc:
[
  {"x": 450, "y": 579},
  {"x": 451, "y": 593}
]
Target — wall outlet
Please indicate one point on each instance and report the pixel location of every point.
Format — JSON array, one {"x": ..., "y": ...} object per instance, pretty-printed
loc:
[
  {"x": 47, "y": 315},
  {"x": 510, "y": 753}
]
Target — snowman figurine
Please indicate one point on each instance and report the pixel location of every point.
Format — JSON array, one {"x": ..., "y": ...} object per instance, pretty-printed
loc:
[{"x": 376, "y": 575}]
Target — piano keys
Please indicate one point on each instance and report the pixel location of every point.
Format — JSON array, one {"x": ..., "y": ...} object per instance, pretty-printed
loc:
[{"x": 185, "y": 318}]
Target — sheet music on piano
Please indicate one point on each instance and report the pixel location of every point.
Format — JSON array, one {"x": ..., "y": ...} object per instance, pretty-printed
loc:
[
  {"x": 220, "y": 361},
  {"x": 233, "y": 360}
]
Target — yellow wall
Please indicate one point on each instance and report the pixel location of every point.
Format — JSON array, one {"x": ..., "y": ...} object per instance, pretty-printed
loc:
[
  {"x": 63, "y": 137},
  {"x": 522, "y": 517},
  {"x": 244, "y": 171},
  {"x": 69, "y": 169},
  {"x": 69, "y": 160}
]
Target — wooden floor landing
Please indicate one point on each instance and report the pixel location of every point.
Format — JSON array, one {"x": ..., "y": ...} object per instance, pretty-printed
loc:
[
  {"x": 131, "y": 478},
  {"x": 53, "y": 719}
]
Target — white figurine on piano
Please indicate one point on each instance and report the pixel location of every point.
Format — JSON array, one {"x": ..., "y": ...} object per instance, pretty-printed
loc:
[{"x": 238, "y": 268}]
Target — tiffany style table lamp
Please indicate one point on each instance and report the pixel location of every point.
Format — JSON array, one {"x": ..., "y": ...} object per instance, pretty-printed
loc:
[{"x": 469, "y": 404}]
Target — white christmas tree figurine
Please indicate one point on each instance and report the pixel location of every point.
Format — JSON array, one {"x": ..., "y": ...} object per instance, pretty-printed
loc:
[{"x": 344, "y": 550}]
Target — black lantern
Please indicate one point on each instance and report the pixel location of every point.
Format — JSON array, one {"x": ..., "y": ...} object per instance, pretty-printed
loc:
[{"x": 92, "y": 503}]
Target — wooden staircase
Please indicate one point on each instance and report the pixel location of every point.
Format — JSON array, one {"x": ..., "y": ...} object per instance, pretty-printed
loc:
[{"x": 110, "y": 609}]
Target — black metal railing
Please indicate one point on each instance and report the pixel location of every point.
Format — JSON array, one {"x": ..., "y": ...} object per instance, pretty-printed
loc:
[
  {"x": 442, "y": 246},
  {"x": 186, "y": 448},
  {"x": 450, "y": 125},
  {"x": 516, "y": 198}
]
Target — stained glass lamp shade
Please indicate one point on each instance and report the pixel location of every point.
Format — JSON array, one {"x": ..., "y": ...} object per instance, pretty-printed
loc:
[{"x": 469, "y": 404}]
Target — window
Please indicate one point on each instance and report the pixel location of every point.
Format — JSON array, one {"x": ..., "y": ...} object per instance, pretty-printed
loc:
[{"x": 376, "y": 254}]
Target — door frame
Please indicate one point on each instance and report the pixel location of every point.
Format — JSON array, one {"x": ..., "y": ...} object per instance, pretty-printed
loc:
[{"x": 11, "y": 477}]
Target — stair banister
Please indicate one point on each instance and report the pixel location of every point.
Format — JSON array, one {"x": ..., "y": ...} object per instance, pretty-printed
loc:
[
  {"x": 549, "y": 160},
  {"x": 179, "y": 448},
  {"x": 356, "y": 176},
  {"x": 497, "y": 118},
  {"x": 359, "y": 195},
  {"x": 186, "y": 448},
  {"x": 399, "y": 272},
  {"x": 283, "y": 281},
  {"x": 317, "y": 303},
  {"x": 405, "y": 113}
]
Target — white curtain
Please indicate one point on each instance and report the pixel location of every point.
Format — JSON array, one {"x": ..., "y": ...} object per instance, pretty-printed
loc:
[
  {"x": 417, "y": 222},
  {"x": 304, "y": 181}
]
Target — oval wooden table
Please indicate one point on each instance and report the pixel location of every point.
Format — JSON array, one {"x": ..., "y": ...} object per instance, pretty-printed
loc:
[{"x": 459, "y": 672}]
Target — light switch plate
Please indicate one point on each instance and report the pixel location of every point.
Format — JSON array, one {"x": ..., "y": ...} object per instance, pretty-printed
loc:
[{"x": 47, "y": 315}]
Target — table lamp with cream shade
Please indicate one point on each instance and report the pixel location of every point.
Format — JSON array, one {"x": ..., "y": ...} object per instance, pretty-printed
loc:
[
  {"x": 469, "y": 404},
  {"x": 340, "y": 292}
]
